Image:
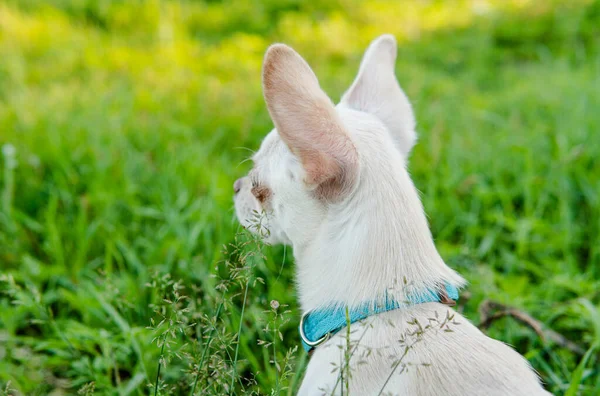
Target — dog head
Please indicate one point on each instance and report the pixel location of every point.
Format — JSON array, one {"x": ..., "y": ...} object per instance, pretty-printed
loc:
[
  {"x": 320, "y": 155},
  {"x": 332, "y": 181}
]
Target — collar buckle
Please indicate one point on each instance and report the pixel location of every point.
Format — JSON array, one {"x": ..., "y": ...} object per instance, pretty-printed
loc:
[{"x": 311, "y": 344}]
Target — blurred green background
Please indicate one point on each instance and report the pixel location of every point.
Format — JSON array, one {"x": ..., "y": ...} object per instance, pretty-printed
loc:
[{"x": 124, "y": 124}]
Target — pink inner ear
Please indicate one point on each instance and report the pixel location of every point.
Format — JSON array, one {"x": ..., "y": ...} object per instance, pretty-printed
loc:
[{"x": 308, "y": 123}]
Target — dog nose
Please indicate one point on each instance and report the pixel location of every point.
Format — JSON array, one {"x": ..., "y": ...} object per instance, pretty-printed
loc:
[{"x": 237, "y": 186}]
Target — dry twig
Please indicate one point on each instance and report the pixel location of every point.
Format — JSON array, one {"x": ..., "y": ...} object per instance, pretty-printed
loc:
[{"x": 490, "y": 311}]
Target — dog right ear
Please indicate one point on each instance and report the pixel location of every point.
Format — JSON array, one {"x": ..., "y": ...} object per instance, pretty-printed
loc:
[
  {"x": 376, "y": 91},
  {"x": 308, "y": 123}
]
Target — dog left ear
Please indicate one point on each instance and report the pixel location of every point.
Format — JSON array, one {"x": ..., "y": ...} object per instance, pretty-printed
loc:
[
  {"x": 306, "y": 120},
  {"x": 376, "y": 91}
]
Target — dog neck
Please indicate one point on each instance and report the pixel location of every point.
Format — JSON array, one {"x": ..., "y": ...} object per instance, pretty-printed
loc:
[{"x": 374, "y": 244}]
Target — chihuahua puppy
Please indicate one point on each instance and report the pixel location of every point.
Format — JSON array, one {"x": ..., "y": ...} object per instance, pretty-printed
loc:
[{"x": 332, "y": 181}]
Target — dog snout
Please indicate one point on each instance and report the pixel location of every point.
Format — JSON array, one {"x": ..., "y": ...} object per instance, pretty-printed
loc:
[{"x": 237, "y": 186}]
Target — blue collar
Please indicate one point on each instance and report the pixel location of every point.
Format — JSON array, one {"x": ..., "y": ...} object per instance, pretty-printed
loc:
[{"x": 316, "y": 326}]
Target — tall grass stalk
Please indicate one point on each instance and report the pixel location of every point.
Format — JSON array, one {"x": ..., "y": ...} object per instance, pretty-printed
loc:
[
  {"x": 239, "y": 332},
  {"x": 205, "y": 350},
  {"x": 160, "y": 360}
]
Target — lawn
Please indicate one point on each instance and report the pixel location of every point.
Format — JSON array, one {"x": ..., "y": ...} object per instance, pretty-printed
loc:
[{"x": 123, "y": 125}]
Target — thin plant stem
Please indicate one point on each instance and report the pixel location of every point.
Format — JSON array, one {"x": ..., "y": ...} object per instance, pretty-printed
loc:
[
  {"x": 275, "y": 358},
  {"x": 204, "y": 352},
  {"x": 237, "y": 345},
  {"x": 394, "y": 370},
  {"x": 162, "y": 350},
  {"x": 354, "y": 349},
  {"x": 341, "y": 377}
]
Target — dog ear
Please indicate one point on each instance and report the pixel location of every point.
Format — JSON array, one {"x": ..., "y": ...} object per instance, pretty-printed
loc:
[
  {"x": 308, "y": 123},
  {"x": 376, "y": 91}
]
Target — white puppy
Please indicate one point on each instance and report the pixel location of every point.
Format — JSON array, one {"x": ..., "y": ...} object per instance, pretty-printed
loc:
[{"x": 332, "y": 182}]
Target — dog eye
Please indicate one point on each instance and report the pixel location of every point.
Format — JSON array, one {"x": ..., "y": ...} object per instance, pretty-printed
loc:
[{"x": 261, "y": 193}]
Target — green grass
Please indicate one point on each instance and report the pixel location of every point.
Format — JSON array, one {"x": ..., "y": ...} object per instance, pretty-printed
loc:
[{"x": 118, "y": 246}]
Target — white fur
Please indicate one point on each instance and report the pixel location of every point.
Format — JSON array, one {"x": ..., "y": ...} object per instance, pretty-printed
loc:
[{"x": 373, "y": 240}]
